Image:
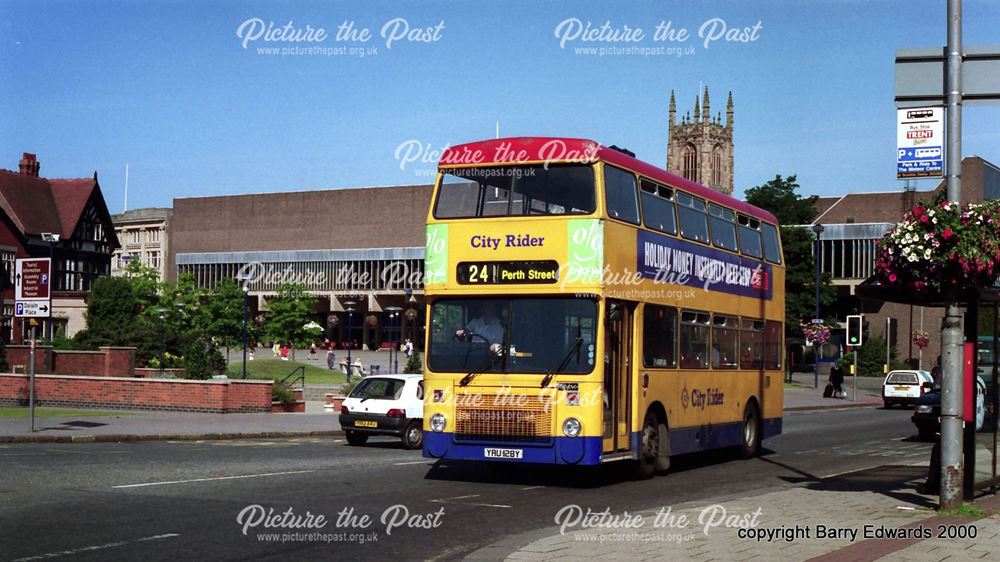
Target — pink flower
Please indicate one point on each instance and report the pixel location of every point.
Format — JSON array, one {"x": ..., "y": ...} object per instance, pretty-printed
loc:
[
  {"x": 923, "y": 218},
  {"x": 947, "y": 233},
  {"x": 892, "y": 278}
]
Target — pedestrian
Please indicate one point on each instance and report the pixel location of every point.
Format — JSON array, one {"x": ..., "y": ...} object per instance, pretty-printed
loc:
[
  {"x": 276, "y": 348},
  {"x": 837, "y": 380},
  {"x": 331, "y": 360},
  {"x": 284, "y": 352},
  {"x": 250, "y": 355},
  {"x": 312, "y": 351},
  {"x": 408, "y": 348}
]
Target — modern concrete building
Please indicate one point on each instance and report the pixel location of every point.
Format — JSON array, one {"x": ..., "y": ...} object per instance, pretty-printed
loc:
[
  {"x": 853, "y": 224},
  {"x": 66, "y": 220},
  {"x": 143, "y": 237},
  {"x": 359, "y": 251}
]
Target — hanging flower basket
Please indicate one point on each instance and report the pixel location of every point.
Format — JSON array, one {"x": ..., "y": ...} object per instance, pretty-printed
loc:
[
  {"x": 921, "y": 338},
  {"x": 940, "y": 245},
  {"x": 816, "y": 332}
]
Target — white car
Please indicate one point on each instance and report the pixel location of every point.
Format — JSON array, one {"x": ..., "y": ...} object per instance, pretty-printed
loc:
[
  {"x": 385, "y": 405},
  {"x": 905, "y": 387}
]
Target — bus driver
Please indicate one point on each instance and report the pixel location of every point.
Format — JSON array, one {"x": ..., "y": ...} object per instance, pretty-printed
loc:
[{"x": 487, "y": 327}]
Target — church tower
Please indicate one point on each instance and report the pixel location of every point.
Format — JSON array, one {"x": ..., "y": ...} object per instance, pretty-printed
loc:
[{"x": 700, "y": 148}]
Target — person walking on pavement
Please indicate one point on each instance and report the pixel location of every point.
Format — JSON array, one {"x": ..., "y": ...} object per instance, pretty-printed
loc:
[
  {"x": 276, "y": 349},
  {"x": 331, "y": 360},
  {"x": 837, "y": 380}
]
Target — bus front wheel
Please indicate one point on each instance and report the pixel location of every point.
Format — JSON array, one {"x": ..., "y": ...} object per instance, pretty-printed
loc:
[
  {"x": 649, "y": 447},
  {"x": 750, "y": 442}
]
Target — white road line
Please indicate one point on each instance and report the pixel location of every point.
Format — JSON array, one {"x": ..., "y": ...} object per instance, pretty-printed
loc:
[
  {"x": 96, "y": 547},
  {"x": 451, "y": 500},
  {"x": 413, "y": 462},
  {"x": 213, "y": 479},
  {"x": 532, "y": 488}
]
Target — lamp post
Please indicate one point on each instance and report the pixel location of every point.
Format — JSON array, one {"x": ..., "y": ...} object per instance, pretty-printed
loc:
[
  {"x": 818, "y": 229},
  {"x": 161, "y": 311},
  {"x": 350, "y": 316},
  {"x": 394, "y": 312},
  {"x": 246, "y": 296}
]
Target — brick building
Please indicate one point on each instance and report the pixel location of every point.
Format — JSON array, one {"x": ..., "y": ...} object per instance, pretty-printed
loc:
[
  {"x": 32, "y": 209},
  {"x": 852, "y": 225},
  {"x": 359, "y": 251}
]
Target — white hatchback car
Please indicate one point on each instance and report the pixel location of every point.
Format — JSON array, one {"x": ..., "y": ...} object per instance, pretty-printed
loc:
[
  {"x": 385, "y": 405},
  {"x": 905, "y": 387}
]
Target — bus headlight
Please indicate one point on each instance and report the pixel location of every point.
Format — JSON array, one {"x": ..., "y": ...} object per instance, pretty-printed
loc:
[
  {"x": 438, "y": 423},
  {"x": 572, "y": 427}
]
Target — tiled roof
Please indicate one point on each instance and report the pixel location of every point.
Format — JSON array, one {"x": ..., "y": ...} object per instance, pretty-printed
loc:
[{"x": 36, "y": 205}]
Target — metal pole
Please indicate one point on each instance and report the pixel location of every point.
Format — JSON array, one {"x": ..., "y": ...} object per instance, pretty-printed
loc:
[
  {"x": 245, "y": 296},
  {"x": 52, "y": 276},
  {"x": 350, "y": 316},
  {"x": 920, "y": 350},
  {"x": 888, "y": 328},
  {"x": 818, "y": 346},
  {"x": 951, "y": 332},
  {"x": 161, "y": 346},
  {"x": 855, "y": 376},
  {"x": 31, "y": 385}
]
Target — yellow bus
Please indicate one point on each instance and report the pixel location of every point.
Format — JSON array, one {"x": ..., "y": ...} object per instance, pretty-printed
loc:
[{"x": 585, "y": 307}]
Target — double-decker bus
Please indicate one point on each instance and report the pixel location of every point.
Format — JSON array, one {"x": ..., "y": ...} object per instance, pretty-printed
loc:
[{"x": 585, "y": 307}]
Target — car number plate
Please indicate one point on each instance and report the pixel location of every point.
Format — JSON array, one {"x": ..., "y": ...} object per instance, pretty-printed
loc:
[
  {"x": 365, "y": 423},
  {"x": 902, "y": 388},
  {"x": 496, "y": 453}
]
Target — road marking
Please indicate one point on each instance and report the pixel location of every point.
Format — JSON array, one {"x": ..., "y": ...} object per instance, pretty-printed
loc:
[
  {"x": 413, "y": 462},
  {"x": 96, "y": 547},
  {"x": 212, "y": 479},
  {"x": 532, "y": 488},
  {"x": 452, "y": 500}
]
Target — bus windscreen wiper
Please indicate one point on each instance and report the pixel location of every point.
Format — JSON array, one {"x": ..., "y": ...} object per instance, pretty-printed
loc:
[{"x": 562, "y": 364}]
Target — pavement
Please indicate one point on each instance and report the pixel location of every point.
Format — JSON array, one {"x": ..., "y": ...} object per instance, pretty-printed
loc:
[{"x": 873, "y": 515}]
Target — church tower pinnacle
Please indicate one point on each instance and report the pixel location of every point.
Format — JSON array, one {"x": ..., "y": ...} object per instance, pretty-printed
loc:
[{"x": 701, "y": 149}]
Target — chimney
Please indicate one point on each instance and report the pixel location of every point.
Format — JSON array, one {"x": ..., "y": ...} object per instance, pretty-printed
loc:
[{"x": 29, "y": 165}]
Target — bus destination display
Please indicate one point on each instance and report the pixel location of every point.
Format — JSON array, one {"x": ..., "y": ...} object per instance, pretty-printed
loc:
[{"x": 504, "y": 272}]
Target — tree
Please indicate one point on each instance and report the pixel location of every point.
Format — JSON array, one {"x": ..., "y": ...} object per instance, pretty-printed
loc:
[
  {"x": 112, "y": 314},
  {"x": 289, "y": 313},
  {"x": 145, "y": 283},
  {"x": 223, "y": 314},
  {"x": 779, "y": 196}
]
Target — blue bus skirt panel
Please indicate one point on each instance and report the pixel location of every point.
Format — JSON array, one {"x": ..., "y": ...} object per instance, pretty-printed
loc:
[
  {"x": 702, "y": 438},
  {"x": 562, "y": 450}
]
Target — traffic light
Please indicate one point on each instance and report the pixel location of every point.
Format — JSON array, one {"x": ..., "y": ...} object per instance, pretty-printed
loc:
[{"x": 854, "y": 329}]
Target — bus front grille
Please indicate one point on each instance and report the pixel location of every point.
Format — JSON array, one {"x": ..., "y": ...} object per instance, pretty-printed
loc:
[{"x": 524, "y": 420}]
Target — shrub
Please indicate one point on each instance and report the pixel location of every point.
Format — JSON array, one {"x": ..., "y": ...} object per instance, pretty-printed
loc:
[
  {"x": 281, "y": 393},
  {"x": 348, "y": 386},
  {"x": 201, "y": 359},
  {"x": 414, "y": 365}
]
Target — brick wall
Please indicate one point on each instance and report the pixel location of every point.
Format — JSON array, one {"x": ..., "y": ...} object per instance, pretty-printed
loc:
[
  {"x": 217, "y": 396},
  {"x": 106, "y": 362}
]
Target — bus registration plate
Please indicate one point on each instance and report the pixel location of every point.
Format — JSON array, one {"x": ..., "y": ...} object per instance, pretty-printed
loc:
[{"x": 496, "y": 453}]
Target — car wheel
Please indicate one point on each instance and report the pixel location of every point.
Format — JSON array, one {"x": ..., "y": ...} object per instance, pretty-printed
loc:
[
  {"x": 355, "y": 438},
  {"x": 887, "y": 404},
  {"x": 649, "y": 447},
  {"x": 750, "y": 443},
  {"x": 413, "y": 435}
]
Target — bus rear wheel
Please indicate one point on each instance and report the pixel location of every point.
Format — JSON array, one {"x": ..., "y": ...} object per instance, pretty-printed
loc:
[{"x": 750, "y": 441}]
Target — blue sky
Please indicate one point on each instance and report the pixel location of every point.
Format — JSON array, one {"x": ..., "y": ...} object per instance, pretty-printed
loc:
[{"x": 168, "y": 87}]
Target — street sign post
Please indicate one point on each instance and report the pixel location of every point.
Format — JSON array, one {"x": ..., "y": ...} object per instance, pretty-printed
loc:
[
  {"x": 33, "y": 288},
  {"x": 920, "y": 142}
]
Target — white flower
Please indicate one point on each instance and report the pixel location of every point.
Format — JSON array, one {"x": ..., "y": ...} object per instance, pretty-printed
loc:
[
  {"x": 927, "y": 254},
  {"x": 934, "y": 220},
  {"x": 930, "y": 213},
  {"x": 913, "y": 257}
]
